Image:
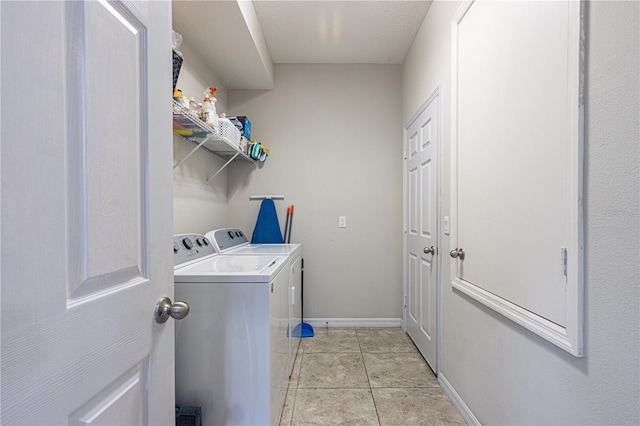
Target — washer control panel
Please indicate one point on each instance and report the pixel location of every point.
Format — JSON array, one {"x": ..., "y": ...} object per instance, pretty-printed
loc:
[
  {"x": 227, "y": 238},
  {"x": 188, "y": 247}
]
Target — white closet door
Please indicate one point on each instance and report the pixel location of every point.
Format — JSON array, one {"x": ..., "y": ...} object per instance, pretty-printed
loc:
[
  {"x": 516, "y": 163},
  {"x": 422, "y": 239}
]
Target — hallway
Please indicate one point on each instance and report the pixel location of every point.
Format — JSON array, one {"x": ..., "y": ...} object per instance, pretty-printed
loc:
[{"x": 364, "y": 376}]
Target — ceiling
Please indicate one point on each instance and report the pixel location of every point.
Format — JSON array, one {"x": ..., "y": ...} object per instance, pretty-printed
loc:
[
  {"x": 240, "y": 40},
  {"x": 344, "y": 32}
]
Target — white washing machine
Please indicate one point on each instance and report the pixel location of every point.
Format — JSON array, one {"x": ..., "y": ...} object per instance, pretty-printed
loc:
[
  {"x": 232, "y": 241},
  {"x": 232, "y": 348}
]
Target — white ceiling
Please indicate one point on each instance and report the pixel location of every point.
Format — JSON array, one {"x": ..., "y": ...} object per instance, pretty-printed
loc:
[
  {"x": 240, "y": 43},
  {"x": 354, "y": 32}
]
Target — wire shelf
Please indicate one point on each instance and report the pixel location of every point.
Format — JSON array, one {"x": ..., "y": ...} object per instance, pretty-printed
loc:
[{"x": 190, "y": 127}]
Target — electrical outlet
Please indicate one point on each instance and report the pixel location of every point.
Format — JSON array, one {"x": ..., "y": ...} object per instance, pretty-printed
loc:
[{"x": 342, "y": 221}]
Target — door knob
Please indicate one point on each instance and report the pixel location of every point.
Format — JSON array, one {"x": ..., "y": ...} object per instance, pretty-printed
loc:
[
  {"x": 457, "y": 252},
  {"x": 166, "y": 309},
  {"x": 429, "y": 250}
]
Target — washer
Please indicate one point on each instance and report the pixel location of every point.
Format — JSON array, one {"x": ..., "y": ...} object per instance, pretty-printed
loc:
[
  {"x": 232, "y": 241},
  {"x": 231, "y": 354}
]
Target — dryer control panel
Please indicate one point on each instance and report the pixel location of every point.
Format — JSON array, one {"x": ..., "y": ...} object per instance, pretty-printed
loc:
[
  {"x": 227, "y": 238},
  {"x": 187, "y": 247}
]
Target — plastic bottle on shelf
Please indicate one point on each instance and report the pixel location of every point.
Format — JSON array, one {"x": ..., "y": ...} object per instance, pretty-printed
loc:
[
  {"x": 208, "y": 113},
  {"x": 180, "y": 99},
  {"x": 193, "y": 106},
  {"x": 210, "y": 117}
]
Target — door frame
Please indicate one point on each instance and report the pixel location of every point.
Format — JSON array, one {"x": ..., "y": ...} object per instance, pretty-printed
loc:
[{"x": 436, "y": 95}]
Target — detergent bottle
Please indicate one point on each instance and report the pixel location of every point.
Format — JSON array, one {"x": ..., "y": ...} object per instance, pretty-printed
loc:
[{"x": 210, "y": 117}]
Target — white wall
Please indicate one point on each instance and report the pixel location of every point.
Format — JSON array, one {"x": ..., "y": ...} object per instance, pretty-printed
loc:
[
  {"x": 198, "y": 206},
  {"x": 335, "y": 134},
  {"x": 505, "y": 374}
]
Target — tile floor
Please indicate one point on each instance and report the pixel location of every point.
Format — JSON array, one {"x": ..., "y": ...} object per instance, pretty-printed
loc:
[{"x": 364, "y": 376}]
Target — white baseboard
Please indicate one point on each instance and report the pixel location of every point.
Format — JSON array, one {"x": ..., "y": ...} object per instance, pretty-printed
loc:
[
  {"x": 469, "y": 418},
  {"x": 354, "y": 322}
]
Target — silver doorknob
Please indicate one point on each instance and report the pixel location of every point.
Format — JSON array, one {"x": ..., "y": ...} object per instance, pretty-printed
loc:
[
  {"x": 457, "y": 252},
  {"x": 166, "y": 309},
  {"x": 429, "y": 250}
]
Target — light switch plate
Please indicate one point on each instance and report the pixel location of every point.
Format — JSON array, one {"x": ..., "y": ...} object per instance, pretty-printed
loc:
[
  {"x": 446, "y": 225},
  {"x": 342, "y": 221}
]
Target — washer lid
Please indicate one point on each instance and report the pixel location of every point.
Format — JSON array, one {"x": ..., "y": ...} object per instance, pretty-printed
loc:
[
  {"x": 264, "y": 249},
  {"x": 220, "y": 268}
]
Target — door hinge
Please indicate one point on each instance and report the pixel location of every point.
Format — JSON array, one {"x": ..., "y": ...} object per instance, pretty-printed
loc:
[
  {"x": 405, "y": 154},
  {"x": 406, "y": 299},
  {"x": 563, "y": 261},
  {"x": 404, "y": 228}
]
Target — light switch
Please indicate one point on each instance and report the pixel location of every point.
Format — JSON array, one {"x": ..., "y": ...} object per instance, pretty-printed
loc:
[
  {"x": 342, "y": 221},
  {"x": 446, "y": 225}
]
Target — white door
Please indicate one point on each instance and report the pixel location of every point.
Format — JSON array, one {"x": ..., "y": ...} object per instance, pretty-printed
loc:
[
  {"x": 86, "y": 213},
  {"x": 516, "y": 163},
  {"x": 421, "y": 221}
]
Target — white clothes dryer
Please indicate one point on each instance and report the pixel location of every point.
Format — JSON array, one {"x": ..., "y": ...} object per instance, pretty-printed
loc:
[
  {"x": 231, "y": 354},
  {"x": 234, "y": 241}
]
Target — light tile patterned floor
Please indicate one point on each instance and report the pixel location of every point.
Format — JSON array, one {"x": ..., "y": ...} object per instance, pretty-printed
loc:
[{"x": 364, "y": 376}]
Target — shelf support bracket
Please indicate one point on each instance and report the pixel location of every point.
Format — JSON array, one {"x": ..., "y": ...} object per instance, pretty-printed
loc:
[
  {"x": 190, "y": 153},
  {"x": 222, "y": 168}
]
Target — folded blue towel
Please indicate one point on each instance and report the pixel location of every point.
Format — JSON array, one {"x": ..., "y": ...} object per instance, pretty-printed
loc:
[{"x": 267, "y": 230}]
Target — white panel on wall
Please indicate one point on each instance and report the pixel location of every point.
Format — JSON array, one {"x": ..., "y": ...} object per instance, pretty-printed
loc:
[{"x": 516, "y": 163}]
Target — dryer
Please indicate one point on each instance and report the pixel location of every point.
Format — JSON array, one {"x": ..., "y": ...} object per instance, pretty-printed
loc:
[
  {"x": 232, "y": 241},
  {"x": 231, "y": 354}
]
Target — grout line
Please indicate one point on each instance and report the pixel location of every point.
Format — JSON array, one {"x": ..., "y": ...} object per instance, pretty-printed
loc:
[
  {"x": 295, "y": 396},
  {"x": 368, "y": 380},
  {"x": 300, "y": 353},
  {"x": 336, "y": 387}
]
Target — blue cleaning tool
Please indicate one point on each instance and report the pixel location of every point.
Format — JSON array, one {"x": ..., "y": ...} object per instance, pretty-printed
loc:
[{"x": 303, "y": 329}]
